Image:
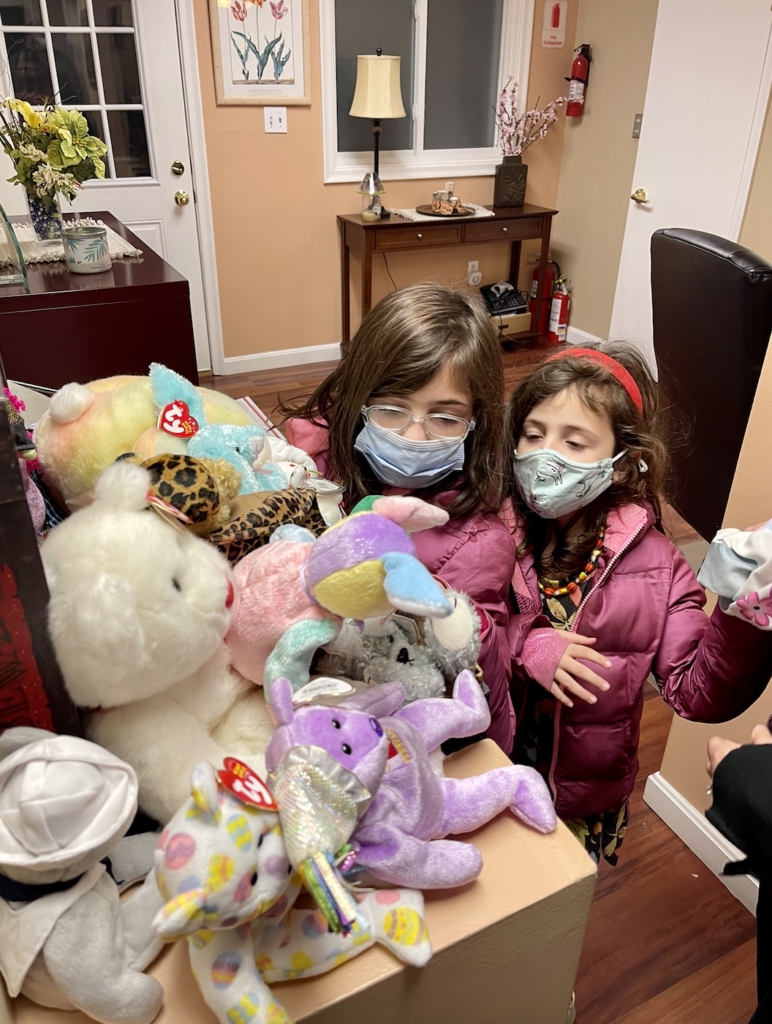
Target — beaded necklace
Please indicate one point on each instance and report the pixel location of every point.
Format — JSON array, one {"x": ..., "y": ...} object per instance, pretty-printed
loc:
[{"x": 556, "y": 588}]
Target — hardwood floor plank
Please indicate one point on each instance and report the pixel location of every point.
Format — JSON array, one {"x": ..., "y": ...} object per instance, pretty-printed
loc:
[{"x": 722, "y": 993}]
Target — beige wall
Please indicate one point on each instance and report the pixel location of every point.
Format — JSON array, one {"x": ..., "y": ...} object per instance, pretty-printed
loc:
[
  {"x": 750, "y": 502},
  {"x": 599, "y": 156},
  {"x": 274, "y": 219}
]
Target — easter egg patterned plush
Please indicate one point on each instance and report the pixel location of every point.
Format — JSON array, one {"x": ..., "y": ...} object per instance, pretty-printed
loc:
[
  {"x": 179, "y": 850},
  {"x": 225, "y": 968},
  {"x": 239, "y": 831},
  {"x": 245, "y": 1010},
  {"x": 405, "y": 926},
  {"x": 220, "y": 871},
  {"x": 315, "y": 925}
]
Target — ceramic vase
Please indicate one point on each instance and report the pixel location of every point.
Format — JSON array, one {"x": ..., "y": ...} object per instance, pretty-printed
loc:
[
  {"x": 511, "y": 176},
  {"x": 47, "y": 221}
]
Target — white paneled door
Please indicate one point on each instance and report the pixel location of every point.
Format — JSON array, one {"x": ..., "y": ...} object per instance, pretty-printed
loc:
[
  {"x": 707, "y": 95},
  {"x": 118, "y": 61}
]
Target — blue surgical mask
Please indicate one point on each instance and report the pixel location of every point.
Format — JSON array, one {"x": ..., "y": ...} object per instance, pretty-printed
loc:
[
  {"x": 553, "y": 486},
  {"x": 398, "y": 461}
]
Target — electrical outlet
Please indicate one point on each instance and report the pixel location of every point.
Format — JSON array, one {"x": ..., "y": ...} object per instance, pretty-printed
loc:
[
  {"x": 475, "y": 280},
  {"x": 275, "y": 120},
  {"x": 473, "y": 275}
]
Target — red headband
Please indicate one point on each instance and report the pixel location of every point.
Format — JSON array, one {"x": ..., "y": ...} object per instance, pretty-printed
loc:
[{"x": 614, "y": 368}]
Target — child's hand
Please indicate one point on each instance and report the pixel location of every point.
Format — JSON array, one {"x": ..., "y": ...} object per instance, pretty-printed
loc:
[{"x": 570, "y": 666}]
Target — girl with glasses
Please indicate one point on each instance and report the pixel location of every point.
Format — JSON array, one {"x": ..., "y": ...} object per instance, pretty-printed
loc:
[{"x": 415, "y": 407}]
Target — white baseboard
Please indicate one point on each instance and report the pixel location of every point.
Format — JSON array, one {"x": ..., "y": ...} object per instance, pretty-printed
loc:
[
  {"x": 576, "y": 337},
  {"x": 700, "y": 836},
  {"x": 279, "y": 358}
]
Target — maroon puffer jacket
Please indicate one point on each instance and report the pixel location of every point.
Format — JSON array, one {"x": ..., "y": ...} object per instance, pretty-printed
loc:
[{"x": 646, "y": 610}]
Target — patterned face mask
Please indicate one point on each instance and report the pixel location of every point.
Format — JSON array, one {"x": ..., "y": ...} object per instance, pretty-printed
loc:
[{"x": 553, "y": 485}]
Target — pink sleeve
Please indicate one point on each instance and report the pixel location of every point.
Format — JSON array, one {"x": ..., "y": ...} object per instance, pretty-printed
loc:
[
  {"x": 310, "y": 438},
  {"x": 708, "y": 669},
  {"x": 482, "y": 565}
]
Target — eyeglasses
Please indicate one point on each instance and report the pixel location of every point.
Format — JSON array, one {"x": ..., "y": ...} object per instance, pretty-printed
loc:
[{"x": 437, "y": 425}]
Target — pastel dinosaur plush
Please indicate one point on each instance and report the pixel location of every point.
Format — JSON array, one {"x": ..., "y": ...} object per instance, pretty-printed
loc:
[
  {"x": 401, "y": 836},
  {"x": 87, "y": 427},
  {"x": 223, "y": 867},
  {"x": 293, "y": 594}
]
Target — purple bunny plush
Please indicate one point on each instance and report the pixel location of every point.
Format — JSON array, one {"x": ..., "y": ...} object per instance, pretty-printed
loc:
[{"x": 401, "y": 836}]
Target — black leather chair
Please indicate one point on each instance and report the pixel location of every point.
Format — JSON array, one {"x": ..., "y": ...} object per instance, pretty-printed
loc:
[{"x": 712, "y": 307}]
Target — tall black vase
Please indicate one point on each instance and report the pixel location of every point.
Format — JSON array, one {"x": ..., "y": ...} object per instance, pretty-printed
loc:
[{"x": 511, "y": 176}]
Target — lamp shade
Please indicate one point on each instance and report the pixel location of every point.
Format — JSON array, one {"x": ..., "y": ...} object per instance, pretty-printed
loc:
[{"x": 377, "y": 94}]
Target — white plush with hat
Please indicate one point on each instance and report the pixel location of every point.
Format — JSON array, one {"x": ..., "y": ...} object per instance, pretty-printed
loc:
[
  {"x": 67, "y": 940},
  {"x": 138, "y": 615}
]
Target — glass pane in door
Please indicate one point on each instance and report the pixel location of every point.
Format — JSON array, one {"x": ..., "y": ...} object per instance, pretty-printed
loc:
[
  {"x": 129, "y": 139},
  {"x": 113, "y": 13},
  {"x": 120, "y": 73},
  {"x": 67, "y": 12},
  {"x": 20, "y": 12},
  {"x": 75, "y": 69},
  {"x": 28, "y": 67},
  {"x": 463, "y": 50}
]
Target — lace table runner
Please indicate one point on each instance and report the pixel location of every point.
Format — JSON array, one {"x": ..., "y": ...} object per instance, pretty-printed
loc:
[
  {"x": 479, "y": 211},
  {"x": 34, "y": 251}
]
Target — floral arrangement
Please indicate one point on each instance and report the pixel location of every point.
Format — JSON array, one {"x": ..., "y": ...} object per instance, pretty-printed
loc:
[
  {"x": 51, "y": 150},
  {"x": 518, "y": 132},
  {"x": 274, "y": 48}
]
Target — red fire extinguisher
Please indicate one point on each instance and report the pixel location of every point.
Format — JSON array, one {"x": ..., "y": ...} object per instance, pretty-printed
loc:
[
  {"x": 553, "y": 270},
  {"x": 561, "y": 303},
  {"x": 580, "y": 72}
]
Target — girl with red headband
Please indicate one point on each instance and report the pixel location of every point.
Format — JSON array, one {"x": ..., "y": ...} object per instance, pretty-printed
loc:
[{"x": 590, "y": 472}]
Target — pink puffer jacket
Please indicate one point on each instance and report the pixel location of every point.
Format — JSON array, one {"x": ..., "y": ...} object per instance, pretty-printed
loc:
[
  {"x": 645, "y": 608},
  {"x": 476, "y": 555}
]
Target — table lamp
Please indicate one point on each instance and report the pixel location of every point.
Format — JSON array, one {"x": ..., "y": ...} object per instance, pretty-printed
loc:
[{"x": 377, "y": 96}]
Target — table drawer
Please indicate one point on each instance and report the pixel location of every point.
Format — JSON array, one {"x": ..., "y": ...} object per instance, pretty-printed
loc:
[
  {"x": 495, "y": 230},
  {"x": 419, "y": 235}
]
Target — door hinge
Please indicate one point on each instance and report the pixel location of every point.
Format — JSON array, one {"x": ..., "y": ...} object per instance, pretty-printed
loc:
[
  {"x": 637, "y": 126},
  {"x": 415, "y": 111},
  {"x": 417, "y": 9}
]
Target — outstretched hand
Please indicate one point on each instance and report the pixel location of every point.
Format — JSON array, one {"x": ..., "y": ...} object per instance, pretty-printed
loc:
[
  {"x": 719, "y": 747},
  {"x": 570, "y": 669}
]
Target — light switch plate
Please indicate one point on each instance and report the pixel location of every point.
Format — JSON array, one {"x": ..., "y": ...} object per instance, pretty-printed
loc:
[{"x": 275, "y": 120}]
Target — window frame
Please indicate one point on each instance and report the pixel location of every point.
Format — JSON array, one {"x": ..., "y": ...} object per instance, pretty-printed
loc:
[{"x": 514, "y": 60}]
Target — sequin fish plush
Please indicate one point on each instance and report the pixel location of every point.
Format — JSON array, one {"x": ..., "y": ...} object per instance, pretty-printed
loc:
[
  {"x": 223, "y": 867},
  {"x": 294, "y": 593},
  {"x": 401, "y": 836}
]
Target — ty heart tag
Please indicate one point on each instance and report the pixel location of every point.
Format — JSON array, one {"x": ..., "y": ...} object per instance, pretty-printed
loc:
[
  {"x": 175, "y": 419},
  {"x": 246, "y": 785}
]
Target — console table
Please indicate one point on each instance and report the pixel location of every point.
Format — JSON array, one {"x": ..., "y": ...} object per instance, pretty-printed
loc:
[
  {"x": 395, "y": 234},
  {"x": 80, "y": 327}
]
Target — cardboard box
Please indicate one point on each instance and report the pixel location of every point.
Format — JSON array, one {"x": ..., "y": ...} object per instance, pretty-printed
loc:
[
  {"x": 506, "y": 947},
  {"x": 512, "y": 323}
]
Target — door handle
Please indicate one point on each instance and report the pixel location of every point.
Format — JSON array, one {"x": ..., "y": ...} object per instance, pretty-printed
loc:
[
  {"x": 639, "y": 196},
  {"x": 181, "y": 198}
]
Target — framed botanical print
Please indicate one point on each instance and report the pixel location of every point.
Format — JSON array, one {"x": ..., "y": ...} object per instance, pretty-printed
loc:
[{"x": 261, "y": 52}]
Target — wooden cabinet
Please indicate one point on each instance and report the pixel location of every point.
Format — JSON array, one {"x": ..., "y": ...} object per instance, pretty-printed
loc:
[
  {"x": 79, "y": 327},
  {"x": 511, "y": 224}
]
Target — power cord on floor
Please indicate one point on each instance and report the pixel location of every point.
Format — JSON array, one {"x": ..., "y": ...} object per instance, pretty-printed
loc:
[{"x": 386, "y": 264}]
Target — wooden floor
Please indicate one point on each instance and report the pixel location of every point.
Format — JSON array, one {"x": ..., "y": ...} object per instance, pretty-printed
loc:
[{"x": 666, "y": 941}]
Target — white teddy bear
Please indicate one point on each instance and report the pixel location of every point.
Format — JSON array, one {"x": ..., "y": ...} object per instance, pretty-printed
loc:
[{"x": 137, "y": 616}]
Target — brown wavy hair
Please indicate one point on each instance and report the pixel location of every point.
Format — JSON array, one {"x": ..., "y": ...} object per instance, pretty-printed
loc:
[
  {"x": 640, "y": 436},
  {"x": 400, "y": 345}
]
